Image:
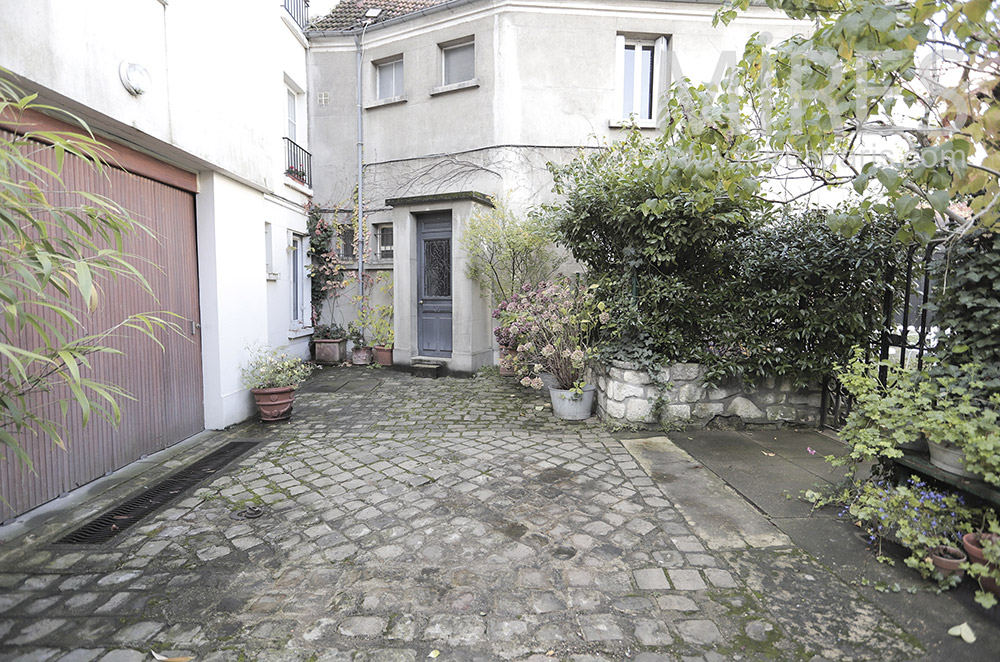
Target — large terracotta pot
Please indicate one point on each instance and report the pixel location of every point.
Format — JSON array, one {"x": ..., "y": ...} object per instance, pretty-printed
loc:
[
  {"x": 383, "y": 355},
  {"x": 275, "y": 404},
  {"x": 361, "y": 355},
  {"x": 330, "y": 351}
]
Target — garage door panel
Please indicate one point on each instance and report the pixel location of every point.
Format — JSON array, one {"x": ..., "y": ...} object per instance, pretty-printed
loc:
[{"x": 165, "y": 383}]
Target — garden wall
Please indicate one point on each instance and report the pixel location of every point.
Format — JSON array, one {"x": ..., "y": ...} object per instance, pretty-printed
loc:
[{"x": 626, "y": 393}]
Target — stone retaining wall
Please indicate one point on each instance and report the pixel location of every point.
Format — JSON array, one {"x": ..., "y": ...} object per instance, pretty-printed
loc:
[{"x": 627, "y": 394}]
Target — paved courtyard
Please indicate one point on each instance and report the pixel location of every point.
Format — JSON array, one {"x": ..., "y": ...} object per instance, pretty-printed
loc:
[{"x": 408, "y": 519}]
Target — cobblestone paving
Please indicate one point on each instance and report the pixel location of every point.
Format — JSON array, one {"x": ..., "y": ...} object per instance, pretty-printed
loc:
[{"x": 402, "y": 517}]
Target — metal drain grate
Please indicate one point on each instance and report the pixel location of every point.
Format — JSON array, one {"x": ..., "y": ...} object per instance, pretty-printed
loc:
[{"x": 112, "y": 522}]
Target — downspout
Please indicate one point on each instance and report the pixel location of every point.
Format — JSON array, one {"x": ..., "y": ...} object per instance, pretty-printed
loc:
[{"x": 359, "y": 46}]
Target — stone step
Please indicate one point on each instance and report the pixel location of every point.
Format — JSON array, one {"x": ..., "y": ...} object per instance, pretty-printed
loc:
[{"x": 426, "y": 370}]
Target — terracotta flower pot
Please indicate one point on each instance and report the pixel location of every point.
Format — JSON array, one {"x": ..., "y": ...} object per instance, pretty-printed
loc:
[
  {"x": 330, "y": 351},
  {"x": 275, "y": 404},
  {"x": 948, "y": 560},
  {"x": 507, "y": 371},
  {"x": 974, "y": 548},
  {"x": 361, "y": 355},
  {"x": 383, "y": 355}
]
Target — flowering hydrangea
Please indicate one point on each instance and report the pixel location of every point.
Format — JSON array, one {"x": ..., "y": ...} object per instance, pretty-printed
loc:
[{"x": 551, "y": 325}]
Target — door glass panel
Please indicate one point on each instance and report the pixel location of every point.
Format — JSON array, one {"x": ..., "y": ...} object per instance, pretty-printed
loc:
[{"x": 437, "y": 267}]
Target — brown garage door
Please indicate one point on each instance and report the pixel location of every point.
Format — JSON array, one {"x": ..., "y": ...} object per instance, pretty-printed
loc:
[{"x": 166, "y": 383}]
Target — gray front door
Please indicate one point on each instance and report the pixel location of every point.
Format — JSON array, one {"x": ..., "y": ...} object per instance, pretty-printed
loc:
[{"x": 434, "y": 284}]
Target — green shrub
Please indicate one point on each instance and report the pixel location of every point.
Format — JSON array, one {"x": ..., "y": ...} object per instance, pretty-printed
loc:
[
  {"x": 969, "y": 301},
  {"x": 697, "y": 275}
]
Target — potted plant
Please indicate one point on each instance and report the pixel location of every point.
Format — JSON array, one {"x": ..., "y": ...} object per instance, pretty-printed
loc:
[
  {"x": 382, "y": 335},
  {"x": 956, "y": 408},
  {"x": 553, "y": 323},
  {"x": 361, "y": 354},
  {"x": 927, "y": 521},
  {"x": 329, "y": 343},
  {"x": 984, "y": 562},
  {"x": 272, "y": 377}
]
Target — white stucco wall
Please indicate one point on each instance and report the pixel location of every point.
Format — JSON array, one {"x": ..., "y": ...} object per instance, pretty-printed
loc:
[{"x": 216, "y": 106}]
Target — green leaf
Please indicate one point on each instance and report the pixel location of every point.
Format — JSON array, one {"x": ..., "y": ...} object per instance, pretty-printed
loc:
[{"x": 939, "y": 200}]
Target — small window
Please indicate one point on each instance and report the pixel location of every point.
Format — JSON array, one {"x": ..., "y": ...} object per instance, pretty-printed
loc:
[
  {"x": 389, "y": 79},
  {"x": 640, "y": 67},
  {"x": 459, "y": 63},
  {"x": 345, "y": 243},
  {"x": 268, "y": 249},
  {"x": 383, "y": 242}
]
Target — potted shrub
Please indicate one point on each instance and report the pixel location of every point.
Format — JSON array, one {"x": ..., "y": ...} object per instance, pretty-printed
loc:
[
  {"x": 272, "y": 377},
  {"x": 382, "y": 335},
  {"x": 361, "y": 354},
  {"x": 553, "y": 323},
  {"x": 329, "y": 343}
]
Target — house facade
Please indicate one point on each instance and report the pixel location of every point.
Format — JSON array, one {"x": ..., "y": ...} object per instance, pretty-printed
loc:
[
  {"x": 229, "y": 118},
  {"x": 205, "y": 107},
  {"x": 468, "y": 100}
]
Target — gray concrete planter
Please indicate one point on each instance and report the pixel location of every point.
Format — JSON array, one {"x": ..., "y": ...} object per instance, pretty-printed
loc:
[{"x": 571, "y": 406}]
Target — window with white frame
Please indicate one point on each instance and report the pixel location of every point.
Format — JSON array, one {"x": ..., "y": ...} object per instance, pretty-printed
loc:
[
  {"x": 458, "y": 63},
  {"x": 641, "y": 71},
  {"x": 293, "y": 102},
  {"x": 389, "y": 79},
  {"x": 298, "y": 279},
  {"x": 383, "y": 241}
]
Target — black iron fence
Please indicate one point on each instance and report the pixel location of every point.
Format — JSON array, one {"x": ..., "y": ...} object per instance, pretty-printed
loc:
[
  {"x": 907, "y": 335},
  {"x": 298, "y": 163},
  {"x": 299, "y": 11}
]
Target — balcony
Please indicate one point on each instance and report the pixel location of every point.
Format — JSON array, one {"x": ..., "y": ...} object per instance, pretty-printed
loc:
[
  {"x": 299, "y": 11},
  {"x": 298, "y": 163}
]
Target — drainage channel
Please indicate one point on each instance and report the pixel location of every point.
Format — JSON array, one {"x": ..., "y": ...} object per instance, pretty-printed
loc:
[{"x": 110, "y": 523}]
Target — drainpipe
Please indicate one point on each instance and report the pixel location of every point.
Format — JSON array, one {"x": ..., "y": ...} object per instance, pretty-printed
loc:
[{"x": 359, "y": 46}]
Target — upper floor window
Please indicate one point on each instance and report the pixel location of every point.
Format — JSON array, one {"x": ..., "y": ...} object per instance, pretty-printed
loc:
[
  {"x": 640, "y": 70},
  {"x": 459, "y": 63},
  {"x": 293, "y": 102},
  {"x": 389, "y": 79}
]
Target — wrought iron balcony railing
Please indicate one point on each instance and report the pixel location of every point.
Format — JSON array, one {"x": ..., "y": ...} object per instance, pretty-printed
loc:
[
  {"x": 298, "y": 163},
  {"x": 299, "y": 11}
]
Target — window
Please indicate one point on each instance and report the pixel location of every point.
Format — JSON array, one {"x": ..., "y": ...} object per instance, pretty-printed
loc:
[
  {"x": 298, "y": 280},
  {"x": 640, "y": 68},
  {"x": 383, "y": 242},
  {"x": 459, "y": 63},
  {"x": 345, "y": 242},
  {"x": 389, "y": 75},
  {"x": 268, "y": 249},
  {"x": 292, "y": 103}
]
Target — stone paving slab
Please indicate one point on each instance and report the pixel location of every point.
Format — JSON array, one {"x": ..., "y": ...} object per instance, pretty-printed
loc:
[{"x": 405, "y": 516}]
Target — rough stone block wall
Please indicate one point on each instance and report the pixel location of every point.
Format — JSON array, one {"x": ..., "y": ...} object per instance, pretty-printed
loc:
[{"x": 628, "y": 394}]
